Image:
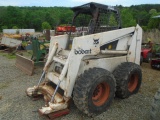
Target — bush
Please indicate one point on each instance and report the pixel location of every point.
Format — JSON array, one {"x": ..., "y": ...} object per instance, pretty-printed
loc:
[
  {"x": 4, "y": 27},
  {"x": 144, "y": 28},
  {"x": 46, "y": 25}
]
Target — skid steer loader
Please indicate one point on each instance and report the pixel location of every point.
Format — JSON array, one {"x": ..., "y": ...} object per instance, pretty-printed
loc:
[{"x": 101, "y": 63}]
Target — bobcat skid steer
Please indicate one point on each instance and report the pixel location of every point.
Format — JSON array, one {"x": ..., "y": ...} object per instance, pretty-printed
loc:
[{"x": 100, "y": 64}]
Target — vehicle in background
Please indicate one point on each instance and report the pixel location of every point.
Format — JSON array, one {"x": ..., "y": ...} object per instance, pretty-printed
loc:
[{"x": 146, "y": 52}]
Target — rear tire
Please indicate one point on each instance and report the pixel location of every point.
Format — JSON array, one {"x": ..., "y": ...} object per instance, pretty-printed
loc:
[
  {"x": 94, "y": 91},
  {"x": 155, "y": 110},
  {"x": 128, "y": 79}
]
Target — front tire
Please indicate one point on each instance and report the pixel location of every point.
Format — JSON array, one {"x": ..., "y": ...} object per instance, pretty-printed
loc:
[
  {"x": 94, "y": 91},
  {"x": 128, "y": 79}
]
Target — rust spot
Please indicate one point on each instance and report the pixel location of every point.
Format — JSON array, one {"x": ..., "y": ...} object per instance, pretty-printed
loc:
[
  {"x": 56, "y": 43},
  {"x": 54, "y": 115},
  {"x": 47, "y": 90}
]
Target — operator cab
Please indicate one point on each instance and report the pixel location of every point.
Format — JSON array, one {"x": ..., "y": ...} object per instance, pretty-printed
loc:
[
  {"x": 97, "y": 17},
  {"x": 93, "y": 18}
]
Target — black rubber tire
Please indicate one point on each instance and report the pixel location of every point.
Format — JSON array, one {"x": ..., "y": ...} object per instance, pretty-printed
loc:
[
  {"x": 85, "y": 89},
  {"x": 149, "y": 57},
  {"x": 128, "y": 79},
  {"x": 155, "y": 110}
]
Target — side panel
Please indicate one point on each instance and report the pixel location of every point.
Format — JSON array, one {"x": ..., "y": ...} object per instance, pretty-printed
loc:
[
  {"x": 135, "y": 46},
  {"x": 61, "y": 40},
  {"x": 106, "y": 63},
  {"x": 123, "y": 44},
  {"x": 117, "y": 34}
]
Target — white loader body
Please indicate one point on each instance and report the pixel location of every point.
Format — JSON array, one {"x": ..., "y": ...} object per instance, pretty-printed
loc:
[
  {"x": 85, "y": 54},
  {"x": 104, "y": 50}
]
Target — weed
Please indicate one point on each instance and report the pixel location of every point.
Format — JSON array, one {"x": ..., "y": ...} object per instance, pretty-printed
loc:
[
  {"x": 4, "y": 85},
  {"x": 9, "y": 55}
]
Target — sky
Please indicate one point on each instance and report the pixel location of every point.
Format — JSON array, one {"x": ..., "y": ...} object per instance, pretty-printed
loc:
[{"x": 72, "y": 3}]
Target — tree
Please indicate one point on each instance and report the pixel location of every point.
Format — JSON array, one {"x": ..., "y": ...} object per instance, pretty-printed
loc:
[
  {"x": 46, "y": 25},
  {"x": 153, "y": 23},
  {"x": 142, "y": 18},
  {"x": 13, "y": 17},
  {"x": 127, "y": 18},
  {"x": 32, "y": 17},
  {"x": 14, "y": 27},
  {"x": 4, "y": 27},
  {"x": 112, "y": 20},
  {"x": 153, "y": 11},
  {"x": 49, "y": 18}
]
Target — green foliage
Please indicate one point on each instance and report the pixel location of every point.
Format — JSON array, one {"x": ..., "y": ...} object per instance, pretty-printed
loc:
[
  {"x": 33, "y": 17},
  {"x": 46, "y": 25},
  {"x": 24, "y": 43},
  {"x": 9, "y": 55},
  {"x": 153, "y": 11},
  {"x": 14, "y": 27},
  {"x": 156, "y": 48},
  {"x": 127, "y": 18},
  {"x": 4, "y": 27},
  {"x": 112, "y": 21},
  {"x": 145, "y": 28},
  {"x": 153, "y": 22},
  {"x": 142, "y": 18},
  {"x": 13, "y": 17}
]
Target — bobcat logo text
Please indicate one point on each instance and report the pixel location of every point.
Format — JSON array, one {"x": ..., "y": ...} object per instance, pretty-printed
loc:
[{"x": 81, "y": 51}]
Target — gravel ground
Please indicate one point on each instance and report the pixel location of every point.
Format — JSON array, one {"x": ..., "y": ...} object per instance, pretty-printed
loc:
[{"x": 15, "y": 105}]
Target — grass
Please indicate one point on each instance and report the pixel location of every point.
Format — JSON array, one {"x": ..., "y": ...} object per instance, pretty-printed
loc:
[
  {"x": 8, "y": 55},
  {"x": 4, "y": 85},
  {"x": 30, "y": 52},
  {"x": 27, "y": 54}
]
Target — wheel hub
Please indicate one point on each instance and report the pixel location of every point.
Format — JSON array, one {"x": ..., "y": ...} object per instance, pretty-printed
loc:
[
  {"x": 133, "y": 82},
  {"x": 101, "y": 94}
]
